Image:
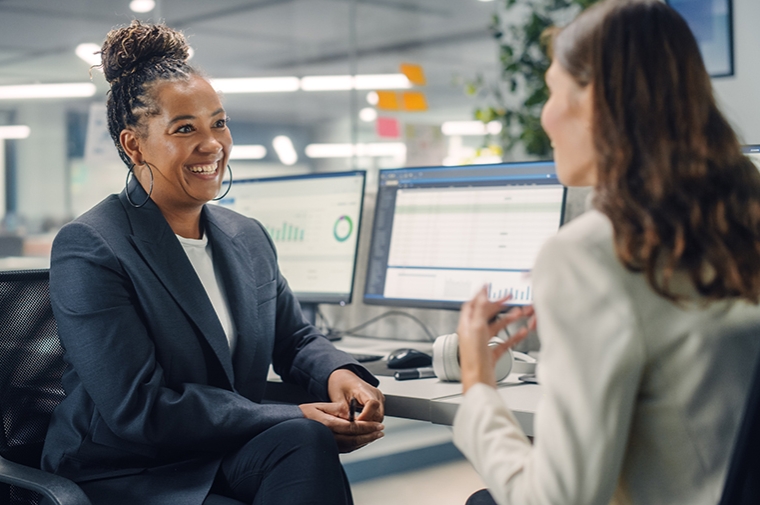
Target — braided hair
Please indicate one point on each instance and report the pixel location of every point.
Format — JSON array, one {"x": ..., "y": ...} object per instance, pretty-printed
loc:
[{"x": 134, "y": 59}]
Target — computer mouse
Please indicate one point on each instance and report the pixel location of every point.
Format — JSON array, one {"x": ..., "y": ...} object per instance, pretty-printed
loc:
[{"x": 408, "y": 358}]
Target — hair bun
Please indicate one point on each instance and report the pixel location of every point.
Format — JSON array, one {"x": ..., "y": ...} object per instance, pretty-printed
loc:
[{"x": 138, "y": 45}]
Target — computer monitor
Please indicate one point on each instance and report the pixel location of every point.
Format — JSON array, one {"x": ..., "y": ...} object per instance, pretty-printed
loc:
[
  {"x": 441, "y": 233},
  {"x": 753, "y": 153},
  {"x": 314, "y": 222}
]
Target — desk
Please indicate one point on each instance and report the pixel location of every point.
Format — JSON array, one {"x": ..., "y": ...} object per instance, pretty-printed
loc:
[{"x": 422, "y": 399}]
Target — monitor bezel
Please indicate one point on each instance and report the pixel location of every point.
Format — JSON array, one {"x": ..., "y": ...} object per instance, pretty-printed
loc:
[
  {"x": 310, "y": 297},
  {"x": 438, "y": 304}
]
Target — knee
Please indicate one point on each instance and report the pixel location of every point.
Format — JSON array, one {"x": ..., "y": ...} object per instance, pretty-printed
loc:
[{"x": 309, "y": 434}]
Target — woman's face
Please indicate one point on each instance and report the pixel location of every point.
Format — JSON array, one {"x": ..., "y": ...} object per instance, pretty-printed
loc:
[
  {"x": 567, "y": 119},
  {"x": 187, "y": 144}
]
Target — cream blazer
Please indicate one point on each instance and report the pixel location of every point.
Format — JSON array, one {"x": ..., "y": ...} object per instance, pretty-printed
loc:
[{"x": 641, "y": 399}]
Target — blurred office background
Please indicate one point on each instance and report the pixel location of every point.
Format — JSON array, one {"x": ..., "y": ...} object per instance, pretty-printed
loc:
[{"x": 407, "y": 107}]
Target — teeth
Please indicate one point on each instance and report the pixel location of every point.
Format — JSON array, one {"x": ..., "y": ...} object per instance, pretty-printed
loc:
[{"x": 203, "y": 169}]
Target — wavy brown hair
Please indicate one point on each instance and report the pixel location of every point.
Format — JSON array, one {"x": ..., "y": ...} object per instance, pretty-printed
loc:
[{"x": 671, "y": 176}]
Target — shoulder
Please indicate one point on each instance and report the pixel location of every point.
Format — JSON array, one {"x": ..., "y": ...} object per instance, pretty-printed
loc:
[
  {"x": 107, "y": 219},
  {"x": 588, "y": 237}
]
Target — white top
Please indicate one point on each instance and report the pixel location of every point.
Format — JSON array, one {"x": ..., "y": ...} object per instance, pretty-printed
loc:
[
  {"x": 199, "y": 253},
  {"x": 641, "y": 398}
]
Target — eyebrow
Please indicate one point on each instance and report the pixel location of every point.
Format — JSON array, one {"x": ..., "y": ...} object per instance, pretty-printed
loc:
[{"x": 189, "y": 116}]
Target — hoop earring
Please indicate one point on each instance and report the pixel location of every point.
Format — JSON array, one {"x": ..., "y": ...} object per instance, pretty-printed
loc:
[
  {"x": 229, "y": 169},
  {"x": 126, "y": 186}
]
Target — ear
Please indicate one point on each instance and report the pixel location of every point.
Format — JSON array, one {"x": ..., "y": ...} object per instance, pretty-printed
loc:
[{"x": 130, "y": 142}]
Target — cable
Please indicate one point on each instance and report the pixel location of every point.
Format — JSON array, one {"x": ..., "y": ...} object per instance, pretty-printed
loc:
[{"x": 425, "y": 328}]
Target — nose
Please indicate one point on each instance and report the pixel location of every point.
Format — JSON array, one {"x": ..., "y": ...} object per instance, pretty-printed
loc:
[{"x": 210, "y": 144}]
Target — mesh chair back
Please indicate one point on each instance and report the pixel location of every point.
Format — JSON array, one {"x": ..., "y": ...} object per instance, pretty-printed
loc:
[
  {"x": 31, "y": 366},
  {"x": 742, "y": 486}
]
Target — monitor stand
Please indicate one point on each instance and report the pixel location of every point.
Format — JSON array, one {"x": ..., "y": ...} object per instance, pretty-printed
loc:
[{"x": 309, "y": 311}]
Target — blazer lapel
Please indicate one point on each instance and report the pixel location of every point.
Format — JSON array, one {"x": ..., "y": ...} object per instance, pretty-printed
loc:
[
  {"x": 156, "y": 242},
  {"x": 238, "y": 275}
]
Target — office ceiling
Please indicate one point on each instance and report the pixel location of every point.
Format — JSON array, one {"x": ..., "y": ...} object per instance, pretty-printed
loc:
[{"x": 251, "y": 38}]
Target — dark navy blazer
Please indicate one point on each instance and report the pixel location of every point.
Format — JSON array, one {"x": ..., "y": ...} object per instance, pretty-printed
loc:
[{"x": 154, "y": 396}]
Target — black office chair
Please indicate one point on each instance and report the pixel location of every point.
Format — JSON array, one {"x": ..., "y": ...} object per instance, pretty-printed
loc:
[
  {"x": 742, "y": 486},
  {"x": 31, "y": 365}
]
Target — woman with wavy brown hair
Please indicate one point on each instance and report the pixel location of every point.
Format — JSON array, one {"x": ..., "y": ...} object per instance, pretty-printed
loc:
[{"x": 643, "y": 303}]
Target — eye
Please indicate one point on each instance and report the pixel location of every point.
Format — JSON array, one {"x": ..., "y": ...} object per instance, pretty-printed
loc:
[
  {"x": 185, "y": 128},
  {"x": 222, "y": 123}
]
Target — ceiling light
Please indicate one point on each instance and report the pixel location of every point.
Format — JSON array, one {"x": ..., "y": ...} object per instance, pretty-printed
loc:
[
  {"x": 283, "y": 146},
  {"x": 87, "y": 52},
  {"x": 373, "y": 98},
  {"x": 368, "y": 114},
  {"x": 14, "y": 132},
  {"x": 346, "y": 82},
  {"x": 248, "y": 152},
  {"x": 67, "y": 90},
  {"x": 329, "y": 150},
  {"x": 372, "y": 149},
  {"x": 256, "y": 84},
  {"x": 327, "y": 83},
  {"x": 465, "y": 128},
  {"x": 382, "y": 81},
  {"x": 142, "y": 5}
]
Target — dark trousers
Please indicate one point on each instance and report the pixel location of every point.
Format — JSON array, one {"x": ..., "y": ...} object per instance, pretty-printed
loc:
[
  {"x": 294, "y": 462},
  {"x": 482, "y": 497}
]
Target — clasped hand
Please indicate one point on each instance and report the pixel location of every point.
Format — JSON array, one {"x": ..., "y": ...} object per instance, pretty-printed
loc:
[
  {"x": 342, "y": 386},
  {"x": 478, "y": 323}
]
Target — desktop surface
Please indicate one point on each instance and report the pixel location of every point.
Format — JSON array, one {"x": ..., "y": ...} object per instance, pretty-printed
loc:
[
  {"x": 441, "y": 233},
  {"x": 753, "y": 153},
  {"x": 313, "y": 221}
]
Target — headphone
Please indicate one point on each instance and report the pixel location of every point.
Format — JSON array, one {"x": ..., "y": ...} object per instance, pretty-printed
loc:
[{"x": 446, "y": 359}]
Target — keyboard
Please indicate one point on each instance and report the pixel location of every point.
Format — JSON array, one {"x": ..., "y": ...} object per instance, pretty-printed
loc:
[{"x": 365, "y": 358}]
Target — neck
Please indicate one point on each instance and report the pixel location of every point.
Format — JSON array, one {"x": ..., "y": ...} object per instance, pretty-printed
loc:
[{"x": 185, "y": 223}]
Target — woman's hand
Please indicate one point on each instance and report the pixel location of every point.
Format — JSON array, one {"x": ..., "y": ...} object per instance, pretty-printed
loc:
[
  {"x": 349, "y": 435},
  {"x": 343, "y": 386},
  {"x": 478, "y": 323}
]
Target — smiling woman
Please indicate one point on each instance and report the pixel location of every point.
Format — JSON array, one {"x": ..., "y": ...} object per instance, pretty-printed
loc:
[{"x": 171, "y": 312}]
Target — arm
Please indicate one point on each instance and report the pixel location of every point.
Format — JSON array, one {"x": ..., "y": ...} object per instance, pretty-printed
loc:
[
  {"x": 113, "y": 356},
  {"x": 302, "y": 355},
  {"x": 591, "y": 361}
]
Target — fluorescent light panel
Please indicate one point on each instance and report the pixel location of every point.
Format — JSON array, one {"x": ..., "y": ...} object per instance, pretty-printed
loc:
[
  {"x": 372, "y": 149},
  {"x": 66, "y": 90},
  {"x": 87, "y": 52},
  {"x": 256, "y": 84},
  {"x": 142, "y": 5},
  {"x": 311, "y": 83},
  {"x": 14, "y": 132},
  {"x": 248, "y": 152},
  {"x": 285, "y": 150},
  {"x": 470, "y": 128}
]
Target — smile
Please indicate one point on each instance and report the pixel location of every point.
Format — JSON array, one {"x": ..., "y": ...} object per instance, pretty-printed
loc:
[{"x": 204, "y": 169}]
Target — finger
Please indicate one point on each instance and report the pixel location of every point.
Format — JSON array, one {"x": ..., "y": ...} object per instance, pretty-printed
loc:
[
  {"x": 498, "y": 325},
  {"x": 357, "y": 427},
  {"x": 372, "y": 411},
  {"x": 348, "y": 443},
  {"x": 532, "y": 323}
]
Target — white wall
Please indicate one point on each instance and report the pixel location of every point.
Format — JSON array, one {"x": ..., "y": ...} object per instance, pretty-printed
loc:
[
  {"x": 739, "y": 96},
  {"x": 41, "y": 165}
]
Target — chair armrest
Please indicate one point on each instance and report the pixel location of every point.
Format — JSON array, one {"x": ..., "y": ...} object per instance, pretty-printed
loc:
[{"x": 57, "y": 489}]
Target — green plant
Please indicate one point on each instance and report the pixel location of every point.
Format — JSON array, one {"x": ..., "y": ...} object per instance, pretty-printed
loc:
[{"x": 517, "y": 97}]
